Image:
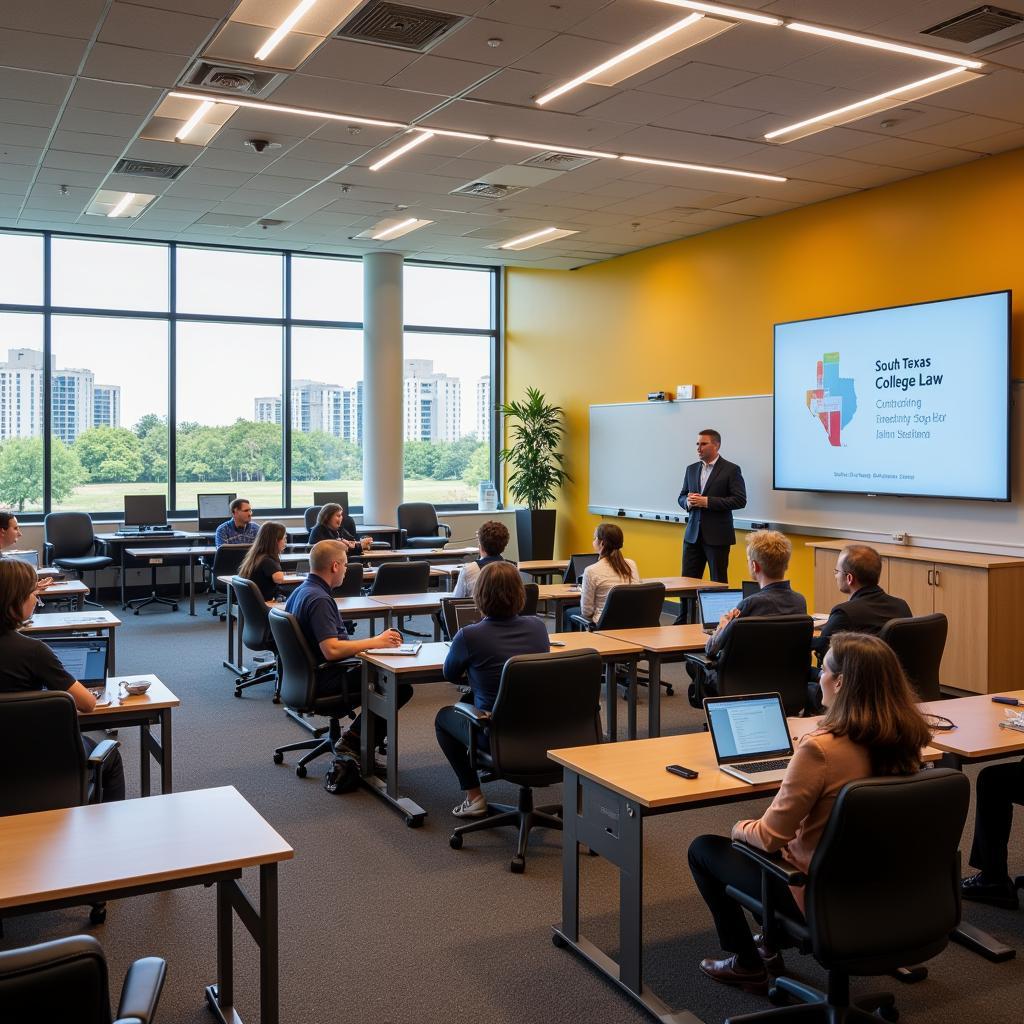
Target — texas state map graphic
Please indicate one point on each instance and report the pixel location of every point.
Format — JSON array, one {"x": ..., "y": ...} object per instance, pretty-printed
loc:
[{"x": 834, "y": 400}]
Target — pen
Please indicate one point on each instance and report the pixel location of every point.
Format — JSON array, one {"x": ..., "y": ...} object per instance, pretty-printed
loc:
[{"x": 1006, "y": 700}]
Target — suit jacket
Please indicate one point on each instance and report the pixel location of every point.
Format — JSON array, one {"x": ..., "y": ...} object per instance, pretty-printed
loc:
[
  {"x": 867, "y": 611},
  {"x": 725, "y": 492}
]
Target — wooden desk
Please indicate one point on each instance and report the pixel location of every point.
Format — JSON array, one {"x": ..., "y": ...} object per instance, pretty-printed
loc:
[
  {"x": 74, "y": 592},
  {"x": 685, "y": 588},
  {"x": 545, "y": 569},
  {"x": 144, "y": 710},
  {"x": 70, "y": 623},
  {"x": 609, "y": 790},
  {"x": 559, "y": 595},
  {"x": 408, "y": 604},
  {"x": 421, "y": 555},
  {"x": 76, "y": 855},
  {"x": 977, "y": 736},
  {"x": 117, "y": 546}
]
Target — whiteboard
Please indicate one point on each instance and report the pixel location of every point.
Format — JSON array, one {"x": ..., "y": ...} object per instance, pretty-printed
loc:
[{"x": 639, "y": 452}]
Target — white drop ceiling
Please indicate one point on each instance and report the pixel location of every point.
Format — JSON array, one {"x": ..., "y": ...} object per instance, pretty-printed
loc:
[{"x": 80, "y": 81}]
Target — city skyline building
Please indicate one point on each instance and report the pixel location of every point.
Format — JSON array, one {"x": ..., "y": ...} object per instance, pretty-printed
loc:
[
  {"x": 433, "y": 403},
  {"x": 483, "y": 409}
]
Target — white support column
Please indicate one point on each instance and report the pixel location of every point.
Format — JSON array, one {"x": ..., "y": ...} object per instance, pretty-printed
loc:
[{"x": 382, "y": 391}]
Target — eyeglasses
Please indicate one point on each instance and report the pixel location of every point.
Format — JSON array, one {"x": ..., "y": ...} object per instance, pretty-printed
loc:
[{"x": 840, "y": 572}]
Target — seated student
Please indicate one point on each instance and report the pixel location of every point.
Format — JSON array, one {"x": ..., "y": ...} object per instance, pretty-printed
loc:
[
  {"x": 610, "y": 570},
  {"x": 313, "y": 606},
  {"x": 871, "y": 728},
  {"x": 999, "y": 787},
  {"x": 28, "y": 664},
  {"x": 493, "y": 538},
  {"x": 239, "y": 529},
  {"x": 10, "y": 536},
  {"x": 262, "y": 561},
  {"x": 480, "y": 651},
  {"x": 768, "y": 554},
  {"x": 333, "y": 524}
]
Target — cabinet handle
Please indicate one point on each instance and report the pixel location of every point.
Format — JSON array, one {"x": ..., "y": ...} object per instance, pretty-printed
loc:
[
  {"x": 937, "y": 578},
  {"x": 931, "y": 577}
]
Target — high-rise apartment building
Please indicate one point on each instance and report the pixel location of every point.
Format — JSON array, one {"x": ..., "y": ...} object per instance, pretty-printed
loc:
[
  {"x": 483, "y": 409},
  {"x": 21, "y": 394},
  {"x": 328, "y": 408},
  {"x": 433, "y": 403},
  {"x": 106, "y": 405}
]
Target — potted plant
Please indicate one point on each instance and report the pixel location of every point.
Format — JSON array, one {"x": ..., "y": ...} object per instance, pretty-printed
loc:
[{"x": 535, "y": 470}]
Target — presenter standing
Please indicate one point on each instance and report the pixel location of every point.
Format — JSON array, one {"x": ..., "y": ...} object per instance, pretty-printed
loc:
[{"x": 712, "y": 491}]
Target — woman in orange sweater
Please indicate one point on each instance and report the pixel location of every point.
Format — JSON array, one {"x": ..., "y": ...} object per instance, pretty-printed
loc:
[{"x": 871, "y": 727}]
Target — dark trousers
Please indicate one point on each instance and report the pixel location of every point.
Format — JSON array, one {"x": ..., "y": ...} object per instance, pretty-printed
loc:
[
  {"x": 700, "y": 554},
  {"x": 112, "y": 774},
  {"x": 347, "y": 680},
  {"x": 567, "y": 613},
  {"x": 714, "y": 864},
  {"x": 999, "y": 787},
  {"x": 454, "y": 735}
]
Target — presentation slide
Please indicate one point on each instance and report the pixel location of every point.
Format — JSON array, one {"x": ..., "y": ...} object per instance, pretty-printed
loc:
[{"x": 911, "y": 400}]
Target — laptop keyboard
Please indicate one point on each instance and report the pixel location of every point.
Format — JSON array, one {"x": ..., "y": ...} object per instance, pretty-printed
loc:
[{"x": 764, "y": 766}]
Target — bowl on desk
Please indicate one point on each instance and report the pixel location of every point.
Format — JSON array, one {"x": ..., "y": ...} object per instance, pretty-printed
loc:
[{"x": 137, "y": 688}]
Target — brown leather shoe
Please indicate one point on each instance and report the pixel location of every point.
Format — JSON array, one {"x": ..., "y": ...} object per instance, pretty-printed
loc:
[
  {"x": 773, "y": 962},
  {"x": 728, "y": 972}
]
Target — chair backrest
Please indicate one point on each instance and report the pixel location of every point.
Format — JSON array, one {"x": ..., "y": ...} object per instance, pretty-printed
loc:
[
  {"x": 226, "y": 562},
  {"x": 871, "y": 904},
  {"x": 61, "y": 980},
  {"x": 418, "y": 519},
  {"x": 70, "y": 534},
  {"x": 919, "y": 643},
  {"x": 577, "y": 563},
  {"x": 41, "y": 748},
  {"x": 401, "y": 578},
  {"x": 309, "y": 517},
  {"x": 352, "y": 584},
  {"x": 298, "y": 662},
  {"x": 544, "y": 701},
  {"x": 768, "y": 654},
  {"x": 532, "y": 598},
  {"x": 632, "y": 605},
  {"x": 256, "y": 631}
]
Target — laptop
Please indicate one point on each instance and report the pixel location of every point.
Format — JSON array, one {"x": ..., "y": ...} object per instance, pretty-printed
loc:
[
  {"x": 85, "y": 658},
  {"x": 751, "y": 736},
  {"x": 466, "y": 615},
  {"x": 713, "y": 604},
  {"x": 28, "y": 557}
]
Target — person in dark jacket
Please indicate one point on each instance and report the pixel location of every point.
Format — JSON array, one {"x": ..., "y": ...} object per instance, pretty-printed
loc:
[{"x": 333, "y": 524}]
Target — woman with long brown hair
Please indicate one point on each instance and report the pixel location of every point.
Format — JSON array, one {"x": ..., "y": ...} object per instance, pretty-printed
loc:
[
  {"x": 610, "y": 570},
  {"x": 262, "y": 563},
  {"x": 871, "y": 727}
]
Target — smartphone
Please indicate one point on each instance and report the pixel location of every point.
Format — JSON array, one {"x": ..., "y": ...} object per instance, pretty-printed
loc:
[
  {"x": 678, "y": 769},
  {"x": 557, "y": 643}
]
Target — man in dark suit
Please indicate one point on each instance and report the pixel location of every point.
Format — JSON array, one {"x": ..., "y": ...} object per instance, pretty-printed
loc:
[{"x": 712, "y": 491}]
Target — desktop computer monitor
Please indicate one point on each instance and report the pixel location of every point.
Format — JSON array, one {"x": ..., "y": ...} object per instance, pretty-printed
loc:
[
  {"x": 214, "y": 509},
  {"x": 322, "y": 498},
  {"x": 145, "y": 510}
]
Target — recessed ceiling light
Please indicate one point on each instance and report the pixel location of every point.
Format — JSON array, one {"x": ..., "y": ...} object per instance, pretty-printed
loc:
[
  {"x": 401, "y": 228},
  {"x": 693, "y": 29},
  {"x": 873, "y": 104},
  {"x": 417, "y": 139},
  {"x": 116, "y": 204},
  {"x": 122, "y": 205},
  {"x": 190, "y": 125},
  {"x": 532, "y": 239},
  {"x": 884, "y": 44},
  {"x": 703, "y": 167},
  {"x": 725, "y": 12},
  {"x": 300, "y": 111},
  {"x": 456, "y": 135},
  {"x": 283, "y": 29},
  {"x": 552, "y": 147}
]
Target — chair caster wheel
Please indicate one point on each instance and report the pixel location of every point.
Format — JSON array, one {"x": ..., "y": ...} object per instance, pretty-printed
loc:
[
  {"x": 300, "y": 770},
  {"x": 277, "y": 699},
  {"x": 174, "y": 607},
  {"x": 455, "y": 841},
  {"x": 414, "y": 821},
  {"x": 558, "y": 942},
  {"x": 776, "y": 996},
  {"x": 136, "y": 611},
  {"x": 278, "y": 757},
  {"x": 517, "y": 865},
  {"x": 98, "y": 914},
  {"x": 669, "y": 692},
  {"x": 238, "y": 693}
]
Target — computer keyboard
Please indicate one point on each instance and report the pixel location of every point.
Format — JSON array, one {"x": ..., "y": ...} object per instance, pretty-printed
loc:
[{"x": 764, "y": 766}]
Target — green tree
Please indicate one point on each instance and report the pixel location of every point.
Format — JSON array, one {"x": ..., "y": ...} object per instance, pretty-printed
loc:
[
  {"x": 152, "y": 433},
  {"x": 452, "y": 459},
  {"x": 478, "y": 468},
  {"x": 21, "y": 471},
  {"x": 110, "y": 454},
  {"x": 254, "y": 450},
  {"x": 420, "y": 459}
]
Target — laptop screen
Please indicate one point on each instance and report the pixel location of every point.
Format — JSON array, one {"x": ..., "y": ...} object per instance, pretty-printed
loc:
[
  {"x": 715, "y": 603},
  {"x": 466, "y": 615},
  {"x": 83, "y": 658},
  {"x": 31, "y": 557},
  {"x": 749, "y": 727}
]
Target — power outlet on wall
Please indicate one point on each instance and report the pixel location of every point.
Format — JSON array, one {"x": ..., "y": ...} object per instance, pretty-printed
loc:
[{"x": 900, "y": 538}]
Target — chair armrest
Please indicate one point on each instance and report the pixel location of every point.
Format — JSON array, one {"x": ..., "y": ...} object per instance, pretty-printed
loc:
[
  {"x": 102, "y": 753},
  {"x": 772, "y": 863},
  {"x": 403, "y": 537},
  {"x": 447, "y": 530},
  {"x": 141, "y": 990},
  {"x": 47, "y": 553},
  {"x": 699, "y": 658},
  {"x": 478, "y": 718},
  {"x": 584, "y": 624}
]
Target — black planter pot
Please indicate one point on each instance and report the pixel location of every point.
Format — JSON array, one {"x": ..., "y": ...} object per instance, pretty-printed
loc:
[{"x": 535, "y": 533}]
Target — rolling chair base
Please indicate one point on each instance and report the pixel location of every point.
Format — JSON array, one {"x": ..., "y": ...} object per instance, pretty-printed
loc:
[
  {"x": 138, "y": 603},
  {"x": 265, "y": 673},
  {"x": 815, "y": 1006},
  {"x": 317, "y": 748}
]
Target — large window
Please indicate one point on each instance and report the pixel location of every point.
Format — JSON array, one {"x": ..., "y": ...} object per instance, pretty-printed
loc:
[{"x": 148, "y": 367}]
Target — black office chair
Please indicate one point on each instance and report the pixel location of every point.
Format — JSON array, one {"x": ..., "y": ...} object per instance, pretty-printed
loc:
[
  {"x": 870, "y": 908},
  {"x": 400, "y": 578},
  {"x": 309, "y": 517},
  {"x": 532, "y": 599},
  {"x": 352, "y": 584},
  {"x": 918, "y": 643},
  {"x": 762, "y": 654},
  {"x": 226, "y": 562},
  {"x": 69, "y": 543},
  {"x": 299, "y": 668},
  {"x": 41, "y": 747},
  {"x": 577, "y": 563},
  {"x": 256, "y": 636},
  {"x": 66, "y": 980},
  {"x": 418, "y": 526},
  {"x": 544, "y": 701}
]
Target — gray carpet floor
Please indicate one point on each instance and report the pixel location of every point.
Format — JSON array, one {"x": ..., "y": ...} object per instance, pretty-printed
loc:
[{"x": 385, "y": 923}]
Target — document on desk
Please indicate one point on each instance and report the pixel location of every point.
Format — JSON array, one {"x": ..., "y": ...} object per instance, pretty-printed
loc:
[{"x": 406, "y": 650}]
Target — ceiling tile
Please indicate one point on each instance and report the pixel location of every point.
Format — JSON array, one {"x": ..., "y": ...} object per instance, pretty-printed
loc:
[
  {"x": 541, "y": 13},
  {"x": 127, "y": 64},
  {"x": 24, "y": 156},
  {"x": 57, "y": 17},
  {"x": 440, "y": 75},
  {"x": 635, "y": 107},
  {"x": 352, "y": 98},
  {"x": 34, "y": 86},
  {"x": 469, "y": 42},
  {"x": 100, "y": 122},
  {"x": 697, "y": 81},
  {"x": 38, "y": 52},
  {"x": 965, "y": 129},
  {"x": 357, "y": 62},
  {"x": 148, "y": 28},
  {"x": 121, "y": 99},
  {"x": 714, "y": 118},
  {"x": 84, "y": 142},
  {"x": 30, "y": 136}
]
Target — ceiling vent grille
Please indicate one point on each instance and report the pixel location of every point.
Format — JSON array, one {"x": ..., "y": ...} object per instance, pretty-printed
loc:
[
  {"x": 149, "y": 169},
  {"x": 555, "y": 161},
  {"x": 487, "y": 190},
  {"x": 229, "y": 79},
  {"x": 974, "y": 26},
  {"x": 407, "y": 28}
]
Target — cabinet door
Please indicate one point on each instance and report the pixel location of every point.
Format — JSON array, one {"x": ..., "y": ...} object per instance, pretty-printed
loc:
[
  {"x": 961, "y": 592},
  {"x": 912, "y": 581},
  {"x": 826, "y": 593}
]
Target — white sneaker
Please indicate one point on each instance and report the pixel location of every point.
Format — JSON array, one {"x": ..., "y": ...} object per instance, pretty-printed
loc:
[{"x": 471, "y": 808}]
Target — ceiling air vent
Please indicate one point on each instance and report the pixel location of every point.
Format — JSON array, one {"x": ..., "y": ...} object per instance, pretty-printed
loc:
[
  {"x": 487, "y": 190},
  {"x": 555, "y": 161},
  {"x": 979, "y": 28},
  {"x": 407, "y": 28},
  {"x": 149, "y": 169},
  {"x": 230, "y": 80}
]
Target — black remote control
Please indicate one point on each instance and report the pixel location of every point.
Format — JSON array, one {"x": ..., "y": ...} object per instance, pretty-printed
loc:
[{"x": 678, "y": 769}]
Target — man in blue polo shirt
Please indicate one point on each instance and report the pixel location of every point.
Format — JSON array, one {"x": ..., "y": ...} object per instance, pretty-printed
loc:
[
  {"x": 239, "y": 529},
  {"x": 312, "y": 604}
]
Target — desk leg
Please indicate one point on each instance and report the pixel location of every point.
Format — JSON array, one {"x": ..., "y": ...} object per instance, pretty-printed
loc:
[
  {"x": 631, "y": 682},
  {"x": 225, "y": 948},
  {"x": 611, "y": 705},
  {"x": 112, "y": 635},
  {"x": 570, "y": 858},
  {"x": 653, "y": 695},
  {"x": 269, "y": 996},
  {"x": 124, "y": 603},
  {"x": 166, "y": 760},
  {"x": 144, "y": 741},
  {"x": 191, "y": 584},
  {"x": 631, "y": 900},
  {"x": 230, "y": 661}
]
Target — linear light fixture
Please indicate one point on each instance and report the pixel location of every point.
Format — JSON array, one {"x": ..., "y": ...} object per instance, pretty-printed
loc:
[
  {"x": 534, "y": 238},
  {"x": 193, "y": 122},
  {"x": 283, "y": 29},
  {"x": 546, "y": 147},
  {"x": 694, "y": 28},
  {"x": 456, "y": 135},
  {"x": 884, "y": 44},
  {"x": 401, "y": 228},
  {"x": 417, "y": 139},
  {"x": 279, "y": 109},
  {"x": 703, "y": 167},
  {"x": 725, "y": 12},
  {"x": 873, "y": 104},
  {"x": 126, "y": 200}
]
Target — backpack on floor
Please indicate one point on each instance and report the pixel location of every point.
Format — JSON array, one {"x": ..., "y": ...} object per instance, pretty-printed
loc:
[{"x": 342, "y": 776}]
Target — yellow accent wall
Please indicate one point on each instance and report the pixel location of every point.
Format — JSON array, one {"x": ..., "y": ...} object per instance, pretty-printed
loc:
[{"x": 701, "y": 311}]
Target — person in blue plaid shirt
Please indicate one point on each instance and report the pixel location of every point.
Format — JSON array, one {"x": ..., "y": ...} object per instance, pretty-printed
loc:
[{"x": 239, "y": 529}]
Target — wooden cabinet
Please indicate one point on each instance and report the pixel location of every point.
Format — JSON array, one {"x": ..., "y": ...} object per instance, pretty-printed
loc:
[{"x": 981, "y": 596}]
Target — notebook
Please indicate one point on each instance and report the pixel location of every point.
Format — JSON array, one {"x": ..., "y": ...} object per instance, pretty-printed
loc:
[
  {"x": 407, "y": 650},
  {"x": 751, "y": 736},
  {"x": 85, "y": 658},
  {"x": 713, "y": 604}
]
